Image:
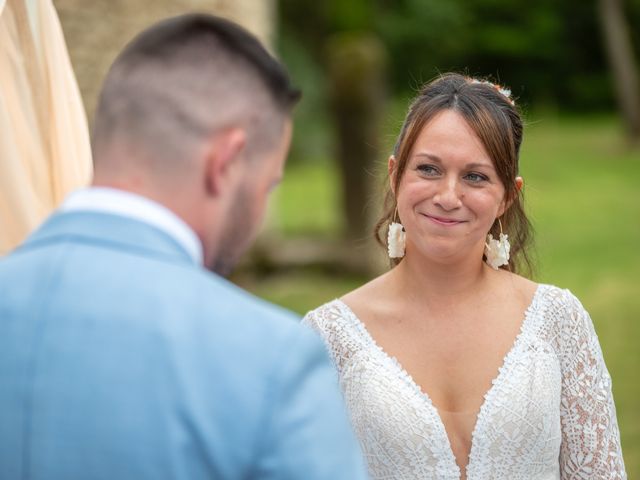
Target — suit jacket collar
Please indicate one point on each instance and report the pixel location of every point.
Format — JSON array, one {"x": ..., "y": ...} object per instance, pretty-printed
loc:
[
  {"x": 129, "y": 204},
  {"x": 110, "y": 231}
]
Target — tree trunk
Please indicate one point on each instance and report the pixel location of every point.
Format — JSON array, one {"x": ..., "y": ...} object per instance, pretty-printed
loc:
[
  {"x": 625, "y": 71},
  {"x": 356, "y": 67},
  {"x": 96, "y": 31}
]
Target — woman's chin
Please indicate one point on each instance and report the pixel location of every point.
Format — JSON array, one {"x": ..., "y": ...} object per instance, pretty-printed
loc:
[
  {"x": 444, "y": 250},
  {"x": 440, "y": 254}
]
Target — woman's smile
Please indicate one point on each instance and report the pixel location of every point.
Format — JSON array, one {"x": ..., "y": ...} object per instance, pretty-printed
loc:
[{"x": 443, "y": 221}]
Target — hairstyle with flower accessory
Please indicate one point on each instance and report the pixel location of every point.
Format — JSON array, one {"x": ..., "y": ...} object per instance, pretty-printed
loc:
[
  {"x": 500, "y": 89},
  {"x": 490, "y": 111}
]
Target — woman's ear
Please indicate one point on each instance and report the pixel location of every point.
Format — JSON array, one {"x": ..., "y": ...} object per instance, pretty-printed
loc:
[
  {"x": 507, "y": 203},
  {"x": 391, "y": 165}
]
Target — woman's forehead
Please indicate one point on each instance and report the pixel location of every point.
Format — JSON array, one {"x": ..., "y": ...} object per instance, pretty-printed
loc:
[{"x": 448, "y": 135}]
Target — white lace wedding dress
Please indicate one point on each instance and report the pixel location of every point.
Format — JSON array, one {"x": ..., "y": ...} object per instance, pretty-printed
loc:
[{"x": 548, "y": 415}]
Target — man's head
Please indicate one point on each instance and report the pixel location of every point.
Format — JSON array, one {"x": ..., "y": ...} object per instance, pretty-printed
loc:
[{"x": 195, "y": 114}]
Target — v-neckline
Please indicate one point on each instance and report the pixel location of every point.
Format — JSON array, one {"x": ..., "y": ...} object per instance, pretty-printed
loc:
[{"x": 413, "y": 385}]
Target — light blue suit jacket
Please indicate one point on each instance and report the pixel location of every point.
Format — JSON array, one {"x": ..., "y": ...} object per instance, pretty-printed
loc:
[{"x": 122, "y": 359}]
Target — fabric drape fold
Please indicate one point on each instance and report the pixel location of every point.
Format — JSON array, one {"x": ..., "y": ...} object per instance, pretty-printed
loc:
[{"x": 44, "y": 140}]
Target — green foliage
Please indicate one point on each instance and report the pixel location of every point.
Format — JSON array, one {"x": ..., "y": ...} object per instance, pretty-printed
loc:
[
  {"x": 547, "y": 51},
  {"x": 351, "y": 15},
  {"x": 315, "y": 140}
]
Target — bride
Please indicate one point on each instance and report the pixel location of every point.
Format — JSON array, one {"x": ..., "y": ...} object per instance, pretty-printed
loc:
[{"x": 452, "y": 365}]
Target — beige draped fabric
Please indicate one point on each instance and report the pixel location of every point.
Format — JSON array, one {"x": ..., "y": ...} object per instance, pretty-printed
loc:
[{"x": 44, "y": 140}]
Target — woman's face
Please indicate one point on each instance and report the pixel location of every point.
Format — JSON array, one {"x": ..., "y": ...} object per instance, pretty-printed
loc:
[{"x": 450, "y": 194}]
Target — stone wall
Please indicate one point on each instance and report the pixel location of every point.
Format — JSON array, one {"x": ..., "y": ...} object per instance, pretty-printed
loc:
[{"x": 96, "y": 30}]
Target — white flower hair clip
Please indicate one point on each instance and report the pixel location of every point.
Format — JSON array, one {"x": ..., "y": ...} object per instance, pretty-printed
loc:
[{"x": 505, "y": 92}]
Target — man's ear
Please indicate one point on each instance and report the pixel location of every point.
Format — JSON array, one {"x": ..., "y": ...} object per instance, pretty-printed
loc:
[
  {"x": 506, "y": 204},
  {"x": 391, "y": 165},
  {"x": 223, "y": 154}
]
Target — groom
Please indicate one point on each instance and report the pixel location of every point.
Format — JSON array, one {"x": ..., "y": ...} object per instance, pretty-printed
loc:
[{"x": 120, "y": 356}]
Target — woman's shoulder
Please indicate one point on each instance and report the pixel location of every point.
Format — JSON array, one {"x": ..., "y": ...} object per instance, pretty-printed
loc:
[
  {"x": 340, "y": 313},
  {"x": 554, "y": 298},
  {"x": 561, "y": 315},
  {"x": 558, "y": 300},
  {"x": 550, "y": 308},
  {"x": 339, "y": 328},
  {"x": 327, "y": 314},
  {"x": 373, "y": 295}
]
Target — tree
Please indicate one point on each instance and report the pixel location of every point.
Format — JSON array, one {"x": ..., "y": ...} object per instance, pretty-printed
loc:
[
  {"x": 625, "y": 71},
  {"x": 357, "y": 93}
]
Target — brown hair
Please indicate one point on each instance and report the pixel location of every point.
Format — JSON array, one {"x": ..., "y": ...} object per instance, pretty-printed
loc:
[{"x": 496, "y": 121}]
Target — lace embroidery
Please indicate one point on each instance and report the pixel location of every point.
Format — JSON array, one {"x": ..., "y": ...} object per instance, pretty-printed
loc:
[{"x": 548, "y": 414}]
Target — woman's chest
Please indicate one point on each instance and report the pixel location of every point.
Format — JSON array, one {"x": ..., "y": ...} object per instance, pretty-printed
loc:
[
  {"x": 453, "y": 359},
  {"x": 518, "y": 415}
]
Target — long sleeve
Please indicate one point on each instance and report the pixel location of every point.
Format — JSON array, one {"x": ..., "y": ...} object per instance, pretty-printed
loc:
[
  {"x": 590, "y": 437},
  {"x": 308, "y": 434}
]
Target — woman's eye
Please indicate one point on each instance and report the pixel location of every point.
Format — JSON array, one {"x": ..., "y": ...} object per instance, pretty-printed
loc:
[
  {"x": 429, "y": 170},
  {"x": 475, "y": 177}
]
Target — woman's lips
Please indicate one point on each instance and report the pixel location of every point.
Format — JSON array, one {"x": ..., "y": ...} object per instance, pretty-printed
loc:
[{"x": 448, "y": 222}]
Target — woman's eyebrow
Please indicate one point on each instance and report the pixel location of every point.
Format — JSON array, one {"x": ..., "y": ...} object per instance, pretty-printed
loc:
[
  {"x": 430, "y": 156},
  {"x": 437, "y": 159}
]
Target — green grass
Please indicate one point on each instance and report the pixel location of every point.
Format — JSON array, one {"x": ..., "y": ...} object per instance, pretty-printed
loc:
[
  {"x": 584, "y": 197},
  {"x": 301, "y": 291},
  {"x": 582, "y": 188},
  {"x": 307, "y": 201}
]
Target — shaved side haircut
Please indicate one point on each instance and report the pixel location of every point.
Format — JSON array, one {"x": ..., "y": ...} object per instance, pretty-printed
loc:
[{"x": 181, "y": 81}]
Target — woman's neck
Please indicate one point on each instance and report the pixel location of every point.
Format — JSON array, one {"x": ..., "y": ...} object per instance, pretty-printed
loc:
[{"x": 421, "y": 278}]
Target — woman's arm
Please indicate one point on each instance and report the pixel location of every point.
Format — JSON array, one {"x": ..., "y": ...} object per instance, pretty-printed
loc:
[{"x": 590, "y": 436}]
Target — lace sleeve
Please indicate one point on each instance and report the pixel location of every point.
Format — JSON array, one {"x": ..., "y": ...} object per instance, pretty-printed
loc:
[
  {"x": 319, "y": 321},
  {"x": 328, "y": 321},
  {"x": 590, "y": 436},
  {"x": 311, "y": 320}
]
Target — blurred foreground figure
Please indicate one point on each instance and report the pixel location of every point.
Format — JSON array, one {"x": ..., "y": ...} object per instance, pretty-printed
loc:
[
  {"x": 121, "y": 357},
  {"x": 44, "y": 142}
]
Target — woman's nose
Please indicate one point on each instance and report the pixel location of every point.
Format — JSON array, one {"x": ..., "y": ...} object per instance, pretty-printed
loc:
[{"x": 448, "y": 195}]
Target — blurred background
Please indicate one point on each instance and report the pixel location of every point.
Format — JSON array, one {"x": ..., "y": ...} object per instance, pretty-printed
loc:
[{"x": 573, "y": 68}]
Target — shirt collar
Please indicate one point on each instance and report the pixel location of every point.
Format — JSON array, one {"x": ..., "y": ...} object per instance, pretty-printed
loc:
[{"x": 127, "y": 204}]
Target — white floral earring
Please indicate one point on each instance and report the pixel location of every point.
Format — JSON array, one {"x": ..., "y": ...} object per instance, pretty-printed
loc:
[
  {"x": 396, "y": 238},
  {"x": 497, "y": 251}
]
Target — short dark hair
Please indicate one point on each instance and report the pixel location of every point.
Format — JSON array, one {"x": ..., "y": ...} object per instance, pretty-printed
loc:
[
  {"x": 161, "y": 39},
  {"x": 185, "y": 76}
]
